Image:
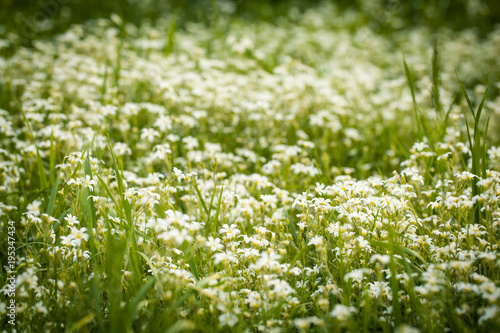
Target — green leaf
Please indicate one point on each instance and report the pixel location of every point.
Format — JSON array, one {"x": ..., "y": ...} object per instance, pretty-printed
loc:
[
  {"x": 169, "y": 45},
  {"x": 39, "y": 162},
  {"x": 435, "y": 78},
  {"x": 133, "y": 306},
  {"x": 79, "y": 325},
  {"x": 52, "y": 199},
  {"x": 106, "y": 188},
  {"x": 217, "y": 213},
  {"x": 182, "y": 326},
  {"x": 293, "y": 231},
  {"x": 200, "y": 197},
  {"x": 52, "y": 162}
]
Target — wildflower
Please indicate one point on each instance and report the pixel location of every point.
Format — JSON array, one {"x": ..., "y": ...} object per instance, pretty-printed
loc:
[
  {"x": 77, "y": 235},
  {"x": 87, "y": 182},
  {"x": 121, "y": 149},
  {"x": 269, "y": 199},
  {"x": 40, "y": 308},
  {"x": 253, "y": 299},
  {"x": 465, "y": 175},
  {"x": 228, "y": 319},
  {"x": 225, "y": 257},
  {"x": 301, "y": 200},
  {"x": 280, "y": 288},
  {"x": 304, "y": 323},
  {"x": 490, "y": 313},
  {"x": 179, "y": 175},
  {"x": 406, "y": 329},
  {"x": 34, "y": 208},
  {"x": 384, "y": 259},
  {"x": 71, "y": 219},
  {"x": 267, "y": 260},
  {"x": 342, "y": 313}
]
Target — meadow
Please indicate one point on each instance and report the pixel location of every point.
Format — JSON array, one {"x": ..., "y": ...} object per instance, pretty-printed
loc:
[{"x": 309, "y": 173}]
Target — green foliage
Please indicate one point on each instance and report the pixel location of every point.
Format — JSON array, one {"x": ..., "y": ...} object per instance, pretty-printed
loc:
[{"x": 251, "y": 166}]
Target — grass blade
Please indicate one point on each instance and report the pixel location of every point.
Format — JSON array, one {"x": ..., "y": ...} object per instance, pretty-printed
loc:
[
  {"x": 411, "y": 83},
  {"x": 52, "y": 198}
]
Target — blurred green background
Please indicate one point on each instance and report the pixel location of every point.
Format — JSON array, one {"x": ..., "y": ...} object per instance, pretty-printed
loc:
[{"x": 37, "y": 18}]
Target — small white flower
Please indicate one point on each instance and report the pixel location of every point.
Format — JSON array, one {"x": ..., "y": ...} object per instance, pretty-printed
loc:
[
  {"x": 357, "y": 275},
  {"x": 77, "y": 235},
  {"x": 71, "y": 219},
  {"x": 214, "y": 244},
  {"x": 87, "y": 182},
  {"x": 228, "y": 319}
]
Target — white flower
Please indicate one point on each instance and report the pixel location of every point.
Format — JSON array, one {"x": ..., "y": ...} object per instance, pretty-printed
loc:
[
  {"x": 87, "y": 182},
  {"x": 342, "y": 312},
  {"x": 121, "y": 149},
  {"x": 491, "y": 312},
  {"x": 178, "y": 174},
  {"x": 40, "y": 308},
  {"x": 71, "y": 219},
  {"x": 77, "y": 235},
  {"x": 149, "y": 134},
  {"x": 494, "y": 153},
  {"x": 267, "y": 260},
  {"x": 465, "y": 175},
  {"x": 280, "y": 288},
  {"x": 301, "y": 200}
]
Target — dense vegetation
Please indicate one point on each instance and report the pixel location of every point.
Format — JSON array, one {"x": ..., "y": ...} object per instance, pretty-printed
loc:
[{"x": 251, "y": 166}]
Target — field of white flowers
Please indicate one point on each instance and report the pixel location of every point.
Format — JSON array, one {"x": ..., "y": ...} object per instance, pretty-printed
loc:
[{"x": 251, "y": 177}]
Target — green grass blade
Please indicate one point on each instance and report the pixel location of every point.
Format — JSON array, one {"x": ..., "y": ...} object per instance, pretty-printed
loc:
[
  {"x": 52, "y": 161},
  {"x": 52, "y": 198},
  {"x": 200, "y": 197}
]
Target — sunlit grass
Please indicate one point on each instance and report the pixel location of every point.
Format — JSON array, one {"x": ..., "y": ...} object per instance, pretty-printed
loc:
[{"x": 249, "y": 176}]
